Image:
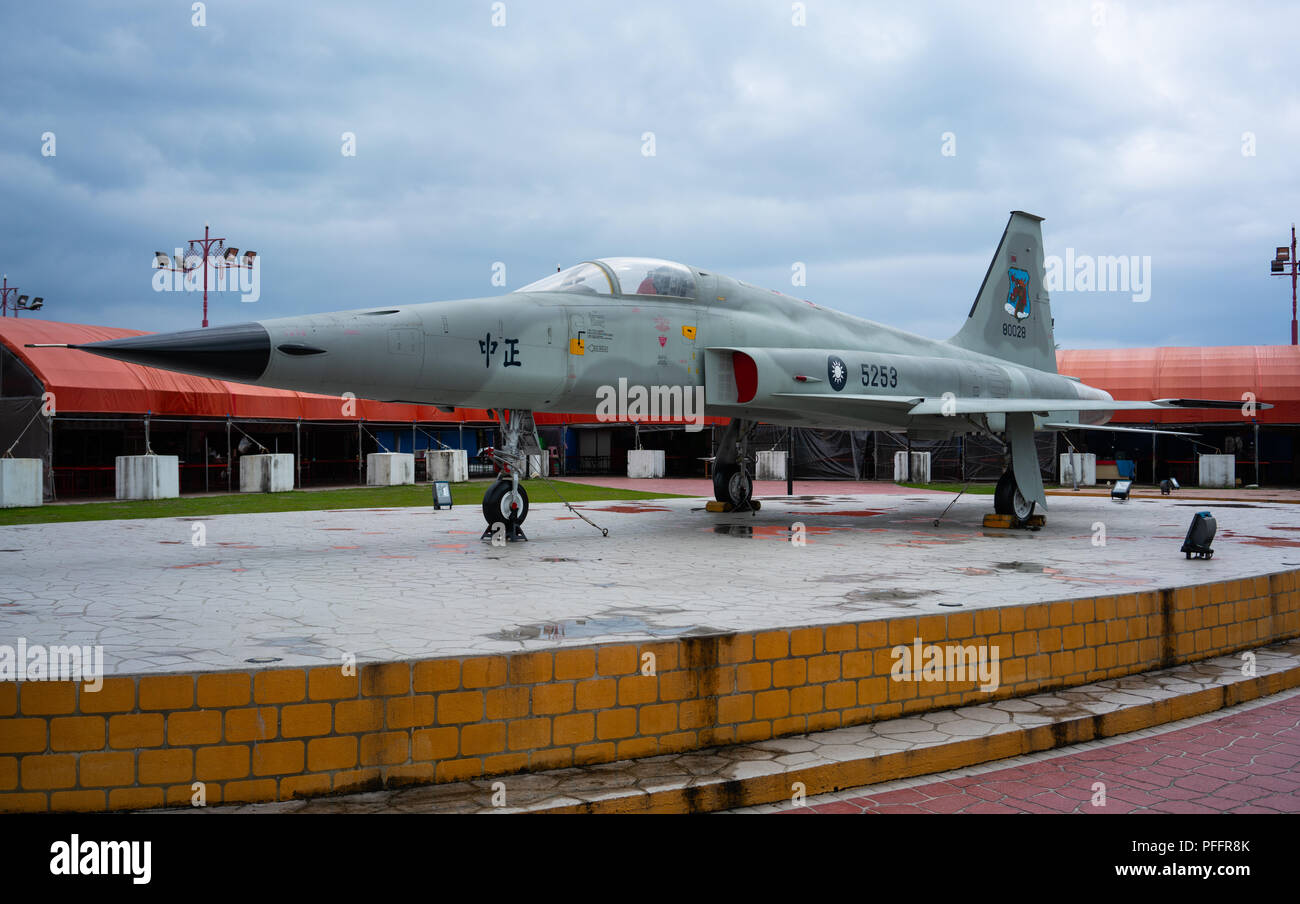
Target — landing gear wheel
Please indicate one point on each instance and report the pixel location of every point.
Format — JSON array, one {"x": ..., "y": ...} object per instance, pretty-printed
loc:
[
  {"x": 501, "y": 505},
  {"x": 730, "y": 484},
  {"x": 1007, "y": 499}
]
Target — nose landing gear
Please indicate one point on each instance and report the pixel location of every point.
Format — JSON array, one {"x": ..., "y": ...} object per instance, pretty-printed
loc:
[{"x": 505, "y": 502}]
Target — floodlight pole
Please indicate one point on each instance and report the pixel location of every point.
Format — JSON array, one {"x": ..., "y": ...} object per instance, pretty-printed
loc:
[
  {"x": 5, "y": 289},
  {"x": 1279, "y": 268},
  {"x": 1294, "y": 268},
  {"x": 207, "y": 242}
]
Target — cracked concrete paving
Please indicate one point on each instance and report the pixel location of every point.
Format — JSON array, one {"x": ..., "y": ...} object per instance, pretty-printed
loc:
[{"x": 305, "y": 588}]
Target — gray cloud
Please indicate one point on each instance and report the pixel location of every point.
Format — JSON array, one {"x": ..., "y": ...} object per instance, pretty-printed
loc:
[{"x": 774, "y": 144}]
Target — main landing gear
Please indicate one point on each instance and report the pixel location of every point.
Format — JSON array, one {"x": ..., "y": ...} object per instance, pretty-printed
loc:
[
  {"x": 732, "y": 484},
  {"x": 505, "y": 504},
  {"x": 1020, "y": 489}
]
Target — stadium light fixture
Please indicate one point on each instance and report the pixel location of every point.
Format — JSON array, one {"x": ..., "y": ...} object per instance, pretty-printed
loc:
[
  {"x": 1284, "y": 263},
  {"x": 11, "y": 300},
  {"x": 207, "y": 252}
]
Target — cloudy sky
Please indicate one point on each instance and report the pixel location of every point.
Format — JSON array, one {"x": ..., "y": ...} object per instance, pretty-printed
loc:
[{"x": 881, "y": 145}]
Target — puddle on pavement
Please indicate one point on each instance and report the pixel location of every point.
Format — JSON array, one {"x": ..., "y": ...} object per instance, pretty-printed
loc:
[
  {"x": 295, "y": 644},
  {"x": 1024, "y": 567},
  {"x": 627, "y": 509},
  {"x": 735, "y": 530},
  {"x": 767, "y": 531},
  {"x": 854, "y": 578},
  {"x": 1207, "y": 504},
  {"x": 594, "y": 627},
  {"x": 1252, "y": 540},
  {"x": 886, "y": 594}
]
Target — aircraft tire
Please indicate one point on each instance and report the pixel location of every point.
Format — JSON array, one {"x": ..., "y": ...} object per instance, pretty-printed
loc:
[
  {"x": 730, "y": 484},
  {"x": 1007, "y": 499},
  {"x": 496, "y": 503}
]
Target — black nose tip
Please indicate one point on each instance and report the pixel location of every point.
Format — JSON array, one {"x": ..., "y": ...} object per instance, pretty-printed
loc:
[{"x": 239, "y": 353}]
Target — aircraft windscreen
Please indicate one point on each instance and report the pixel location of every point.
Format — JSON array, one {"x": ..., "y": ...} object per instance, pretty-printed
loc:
[
  {"x": 584, "y": 279},
  {"x": 644, "y": 276}
]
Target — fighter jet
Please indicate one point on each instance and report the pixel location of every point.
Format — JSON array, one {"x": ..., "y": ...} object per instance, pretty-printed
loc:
[{"x": 560, "y": 343}]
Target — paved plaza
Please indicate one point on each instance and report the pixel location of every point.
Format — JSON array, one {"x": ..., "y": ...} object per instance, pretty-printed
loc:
[{"x": 305, "y": 588}]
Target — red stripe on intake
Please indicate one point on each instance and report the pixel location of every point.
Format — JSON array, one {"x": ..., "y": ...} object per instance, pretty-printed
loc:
[{"x": 746, "y": 376}]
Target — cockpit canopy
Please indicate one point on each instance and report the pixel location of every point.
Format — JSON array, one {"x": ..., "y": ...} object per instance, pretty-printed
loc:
[{"x": 620, "y": 276}]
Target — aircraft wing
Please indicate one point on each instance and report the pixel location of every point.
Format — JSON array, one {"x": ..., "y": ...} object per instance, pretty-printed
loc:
[{"x": 904, "y": 403}]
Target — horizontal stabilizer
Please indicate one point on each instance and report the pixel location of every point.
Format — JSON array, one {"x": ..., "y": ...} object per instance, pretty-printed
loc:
[
  {"x": 1227, "y": 404},
  {"x": 1109, "y": 428}
]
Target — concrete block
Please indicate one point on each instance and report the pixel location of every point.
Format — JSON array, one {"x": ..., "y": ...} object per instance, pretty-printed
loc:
[
  {"x": 451, "y": 465},
  {"x": 269, "y": 473},
  {"x": 1217, "y": 471},
  {"x": 148, "y": 476},
  {"x": 539, "y": 465},
  {"x": 1086, "y": 463},
  {"x": 390, "y": 469},
  {"x": 645, "y": 463},
  {"x": 20, "y": 482},
  {"x": 920, "y": 467},
  {"x": 771, "y": 465},
  {"x": 900, "y": 467}
]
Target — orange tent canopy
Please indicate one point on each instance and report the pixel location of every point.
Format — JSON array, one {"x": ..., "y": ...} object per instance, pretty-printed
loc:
[{"x": 1271, "y": 372}]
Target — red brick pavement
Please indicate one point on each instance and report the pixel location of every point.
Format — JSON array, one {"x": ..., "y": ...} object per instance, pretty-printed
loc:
[{"x": 1244, "y": 763}]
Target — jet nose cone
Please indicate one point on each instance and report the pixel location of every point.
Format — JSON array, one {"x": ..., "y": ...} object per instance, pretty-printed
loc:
[{"x": 239, "y": 353}]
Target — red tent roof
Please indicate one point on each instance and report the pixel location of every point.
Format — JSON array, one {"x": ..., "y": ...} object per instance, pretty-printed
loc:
[{"x": 1271, "y": 372}]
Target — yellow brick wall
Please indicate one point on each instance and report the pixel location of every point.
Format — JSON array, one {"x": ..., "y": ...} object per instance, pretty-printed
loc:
[{"x": 144, "y": 741}]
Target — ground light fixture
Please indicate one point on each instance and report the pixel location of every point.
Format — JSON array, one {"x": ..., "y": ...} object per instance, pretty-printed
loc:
[
  {"x": 1168, "y": 485},
  {"x": 1200, "y": 534},
  {"x": 1119, "y": 492}
]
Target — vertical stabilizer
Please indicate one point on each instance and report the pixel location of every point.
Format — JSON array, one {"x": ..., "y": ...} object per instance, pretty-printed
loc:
[{"x": 1012, "y": 315}]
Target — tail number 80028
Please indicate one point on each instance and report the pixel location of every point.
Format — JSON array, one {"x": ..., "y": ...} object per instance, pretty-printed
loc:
[{"x": 1014, "y": 330}]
